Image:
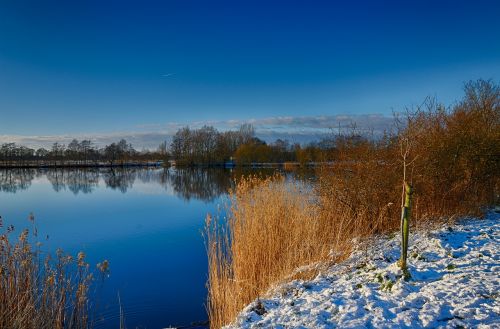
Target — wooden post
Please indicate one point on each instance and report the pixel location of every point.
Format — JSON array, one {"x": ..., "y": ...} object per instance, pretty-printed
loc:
[{"x": 405, "y": 225}]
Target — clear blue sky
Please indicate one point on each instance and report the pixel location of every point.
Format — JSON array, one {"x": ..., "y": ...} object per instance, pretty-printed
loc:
[{"x": 70, "y": 67}]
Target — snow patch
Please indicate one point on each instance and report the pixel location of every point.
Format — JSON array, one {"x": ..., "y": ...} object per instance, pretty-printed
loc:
[{"x": 455, "y": 283}]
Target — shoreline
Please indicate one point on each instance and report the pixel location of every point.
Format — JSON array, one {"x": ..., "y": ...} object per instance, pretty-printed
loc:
[
  {"x": 255, "y": 165},
  {"x": 82, "y": 165}
]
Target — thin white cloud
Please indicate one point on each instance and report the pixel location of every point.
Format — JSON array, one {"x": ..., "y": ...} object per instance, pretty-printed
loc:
[
  {"x": 322, "y": 121},
  {"x": 298, "y": 129}
]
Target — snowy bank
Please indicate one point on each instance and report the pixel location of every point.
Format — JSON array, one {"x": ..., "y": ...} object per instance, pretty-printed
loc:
[{"x": 455, "y": 282}]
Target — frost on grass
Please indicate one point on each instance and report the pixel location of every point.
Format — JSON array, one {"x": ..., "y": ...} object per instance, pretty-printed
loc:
[{"x": 454, "y": 283}]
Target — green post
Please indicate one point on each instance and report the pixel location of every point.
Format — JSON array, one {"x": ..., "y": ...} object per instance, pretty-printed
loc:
[{"x": 405, "y": 225}]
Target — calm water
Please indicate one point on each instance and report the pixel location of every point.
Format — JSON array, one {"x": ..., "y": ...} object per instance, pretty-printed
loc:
[{"x": 146, "y": 222}]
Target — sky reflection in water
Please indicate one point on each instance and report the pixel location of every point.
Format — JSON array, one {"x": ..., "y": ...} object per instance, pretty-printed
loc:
[{"x": 146, "y": 222}]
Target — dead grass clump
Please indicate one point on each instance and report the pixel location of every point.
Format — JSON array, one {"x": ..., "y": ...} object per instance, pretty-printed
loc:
[
  {"x": 272, "y": 228},
  {"x": 38, "y": 292}
]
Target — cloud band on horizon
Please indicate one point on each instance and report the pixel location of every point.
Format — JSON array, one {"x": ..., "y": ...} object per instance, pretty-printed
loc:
[{"x": 299, "y": 129}]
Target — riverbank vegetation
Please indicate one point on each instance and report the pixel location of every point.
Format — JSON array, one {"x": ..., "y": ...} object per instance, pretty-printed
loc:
[
  {"x": 40, "y": 292},
  {"x": 276, "y": 229}
]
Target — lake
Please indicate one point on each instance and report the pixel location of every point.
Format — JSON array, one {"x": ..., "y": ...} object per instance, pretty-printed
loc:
[{"x": 146, "y": 222}]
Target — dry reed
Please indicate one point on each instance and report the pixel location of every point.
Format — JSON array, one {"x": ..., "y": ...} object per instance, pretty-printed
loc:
[
  {"x": 273, "y": 228},
  {"x": 38, "y": 292}
]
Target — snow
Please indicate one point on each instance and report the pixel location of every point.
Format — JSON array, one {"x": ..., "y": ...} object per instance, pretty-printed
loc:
[{"x": 455, "y": 283}]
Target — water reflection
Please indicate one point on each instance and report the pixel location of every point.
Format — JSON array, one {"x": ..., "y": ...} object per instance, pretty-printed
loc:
[
  {"x": 186, "y": 183},
  {"x": 202, "y": 184},
  {"x": 138, "y": 219},
  {"x": 13, "y": 180}
]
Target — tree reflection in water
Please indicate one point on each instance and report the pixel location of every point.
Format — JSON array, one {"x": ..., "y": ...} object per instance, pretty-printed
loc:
[
  {"x": 206, "y": 184},
  {"x": 16, "y": 179}
]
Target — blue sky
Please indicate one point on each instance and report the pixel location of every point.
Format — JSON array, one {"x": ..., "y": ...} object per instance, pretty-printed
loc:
[{"x": 105, "y": 69}]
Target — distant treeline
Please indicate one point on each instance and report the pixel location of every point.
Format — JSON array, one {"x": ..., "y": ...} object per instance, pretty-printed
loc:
[
  {"x": 208, "y": 146},
  {"x": 205, "y": 146},
  {"x": 77, "y": 153}
]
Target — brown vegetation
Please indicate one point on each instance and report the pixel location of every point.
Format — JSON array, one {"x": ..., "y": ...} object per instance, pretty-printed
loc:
[
  {"x": 272, "y": 229},
  {"x": 38, "y": 292},
  {"x": 274, "y": 226}
]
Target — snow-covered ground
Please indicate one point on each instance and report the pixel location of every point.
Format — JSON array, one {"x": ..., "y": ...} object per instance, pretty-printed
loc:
[{"x": 455, "y": 283}]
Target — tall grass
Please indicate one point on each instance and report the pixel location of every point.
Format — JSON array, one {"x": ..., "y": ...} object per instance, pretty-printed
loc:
[
  {"x": 274, "y": 227},
  {"x": 40, "y": 292}
]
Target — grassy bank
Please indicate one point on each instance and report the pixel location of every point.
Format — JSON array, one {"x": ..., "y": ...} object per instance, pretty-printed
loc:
[{"x": 274, "y": 227}]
